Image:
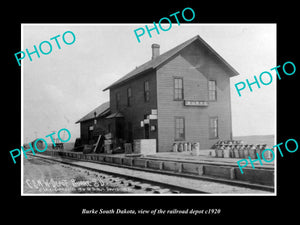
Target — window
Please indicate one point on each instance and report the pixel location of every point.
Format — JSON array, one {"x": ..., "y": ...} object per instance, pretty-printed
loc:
[
  {"x": 179, "y": 129},
  {"x": 178, "y": 89},
  {"x": 146, "y": 91},
  {"x": 213, "y": 127},
  {"x": 212, "y": 90},
  {"x": 129, "y": 97},
  {"x": 118, "y": 100}
]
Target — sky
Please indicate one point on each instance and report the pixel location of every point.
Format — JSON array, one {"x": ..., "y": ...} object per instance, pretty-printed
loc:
[{"x": 63, "y": 86}]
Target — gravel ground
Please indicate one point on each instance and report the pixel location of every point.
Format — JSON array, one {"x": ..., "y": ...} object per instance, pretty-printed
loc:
[
  {"x": 42, "y": 176},
  {"x": 47, "y": 177}
]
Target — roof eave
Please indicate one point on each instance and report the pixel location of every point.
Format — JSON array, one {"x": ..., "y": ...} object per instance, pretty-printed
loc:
[
  {"x": 124, "y": 81},
  {"x": 234, "y": 72},
  {"x": 100, "y": 115}
]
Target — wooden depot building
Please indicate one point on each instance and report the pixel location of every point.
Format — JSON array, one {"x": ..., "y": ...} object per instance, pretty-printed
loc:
[{"x": 182, "y": 95}]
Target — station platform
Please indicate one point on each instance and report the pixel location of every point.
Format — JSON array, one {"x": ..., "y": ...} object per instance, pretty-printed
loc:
[
  {"x": 204, "y": 166},
  {"x": 205, "y": 157}
]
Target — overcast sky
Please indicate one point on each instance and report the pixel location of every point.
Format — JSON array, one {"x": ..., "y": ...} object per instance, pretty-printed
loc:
[{"x": 60, "y": 88}]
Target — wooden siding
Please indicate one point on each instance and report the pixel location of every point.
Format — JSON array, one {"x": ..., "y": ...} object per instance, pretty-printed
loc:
[
  {"x": 135, "y": 113},
  {"x": 196, "y": 66},
  {"x": 100, "y": 128}
]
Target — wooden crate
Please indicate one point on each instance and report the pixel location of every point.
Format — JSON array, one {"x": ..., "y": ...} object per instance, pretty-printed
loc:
[
  {"x": 107, "y": 142},
  {"x": 144, "y": 146},
  {"x": 108, "y": 136},
  {"x": 108, "y": 148},
  {"x": 128, "y": 148}
]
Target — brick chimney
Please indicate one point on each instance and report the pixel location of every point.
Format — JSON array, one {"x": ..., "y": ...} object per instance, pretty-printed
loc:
[{"x": 155, "y": 50}]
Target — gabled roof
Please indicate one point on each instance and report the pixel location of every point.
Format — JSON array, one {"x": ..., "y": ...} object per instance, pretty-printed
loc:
[
  {"x": 115, "y": 115},
  {"x": 100, "y": 110},
  {"x": 157, "y": 61}
]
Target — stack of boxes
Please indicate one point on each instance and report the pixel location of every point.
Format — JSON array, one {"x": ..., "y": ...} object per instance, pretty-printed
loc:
[{"x": 108, "y": 143}]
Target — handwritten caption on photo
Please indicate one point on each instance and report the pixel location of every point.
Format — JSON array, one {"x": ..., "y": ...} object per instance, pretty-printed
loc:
[{"x": 72, "y": 186}]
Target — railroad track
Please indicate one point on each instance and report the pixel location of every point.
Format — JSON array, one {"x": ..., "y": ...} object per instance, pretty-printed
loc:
[
  {"x": 140, "y": 182},
  {"x": 106, "y": 183}
]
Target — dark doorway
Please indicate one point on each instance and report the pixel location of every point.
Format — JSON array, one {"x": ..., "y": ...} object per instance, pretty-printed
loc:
[
  {"x": 90, "y": 134},
  {"x": 147, "y": 131},
  {"x": 130, "y": 132},
  {"x": 120, "y": 129}
]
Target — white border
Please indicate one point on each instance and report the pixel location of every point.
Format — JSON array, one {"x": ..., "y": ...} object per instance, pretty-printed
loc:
[
  {"x": 158, "y": 195},
  {"x": 22, "y": 114}
]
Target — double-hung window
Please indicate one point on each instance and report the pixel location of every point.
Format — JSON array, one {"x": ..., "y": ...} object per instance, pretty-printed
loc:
[
  {"x": 179, "y": 129},
  {"x": 212, "y": 90},
  {"x": 129, "y": 97},
  {"x": 146, "y": 91},
  {"x": 118, "y": 100},
  {"x": 178, "y": 88},
  {"x": 213, "y": 127}
]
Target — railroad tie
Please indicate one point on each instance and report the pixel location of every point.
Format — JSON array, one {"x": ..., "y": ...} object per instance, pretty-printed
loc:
[{"x": 162, "y": 191}]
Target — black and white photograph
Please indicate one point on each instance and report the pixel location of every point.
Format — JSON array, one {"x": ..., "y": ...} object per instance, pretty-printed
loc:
[
  {"x": 131, "y": 109},
  {"x": 148, "y": 112}
]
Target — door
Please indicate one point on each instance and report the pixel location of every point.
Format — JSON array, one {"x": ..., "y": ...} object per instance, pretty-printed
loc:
[
  {"x": 90, "y": 134},
  {"x": 120, "y": 129},
  {"x": 130, "y": 133},
  {"x": 147, "y": 131}
]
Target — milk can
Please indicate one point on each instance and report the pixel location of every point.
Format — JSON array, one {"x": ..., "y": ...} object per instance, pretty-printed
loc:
[
  {"x": 246, "y": 151},
  {"x": 231, "y": 152},
  {"x": 180, "y": 147},
  {"x": 252, "y": 152},
  {"x": 236, "y": 151},
  {"x": 185, "y": 147},
  {"x": 189, "y": 146},
  {"x": 212, "y": 153},
  {"x": 175, "y": 147},
  {"x": 267, "y": 155},
  {"x": 220, "y": 151},
  {"x": 258, "y": 150},
  {"x": 226, "y": 152},
  {"x": 196, "y": 149},
  {"x": 241, "y": 151}
]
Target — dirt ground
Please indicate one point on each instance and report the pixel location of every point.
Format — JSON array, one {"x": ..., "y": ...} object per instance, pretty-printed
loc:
[{"x": 47, "y": 177}]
